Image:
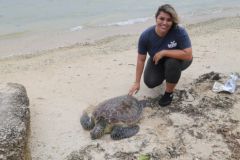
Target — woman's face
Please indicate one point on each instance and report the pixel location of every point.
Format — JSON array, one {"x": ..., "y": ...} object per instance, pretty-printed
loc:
[{"x": 163, "y": 22}]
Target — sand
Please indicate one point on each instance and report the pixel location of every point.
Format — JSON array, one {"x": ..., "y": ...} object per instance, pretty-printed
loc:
[{"x": 61, "y": 83}]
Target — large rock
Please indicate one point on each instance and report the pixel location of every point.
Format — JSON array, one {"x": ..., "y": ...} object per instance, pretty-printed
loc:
[{"x": 14, "y": 122}]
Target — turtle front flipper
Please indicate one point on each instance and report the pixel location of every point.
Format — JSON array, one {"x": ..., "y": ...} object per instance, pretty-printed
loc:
[
  {"x": 87, "y": 122},
  {"x": 124, "y": 132}
]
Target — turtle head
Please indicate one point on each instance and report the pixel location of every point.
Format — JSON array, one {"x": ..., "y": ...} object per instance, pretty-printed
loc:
[{"x": 99, "y": 129}]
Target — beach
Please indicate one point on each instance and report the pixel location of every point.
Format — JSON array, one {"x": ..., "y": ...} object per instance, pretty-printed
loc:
[{"x": 64, "y": 81}]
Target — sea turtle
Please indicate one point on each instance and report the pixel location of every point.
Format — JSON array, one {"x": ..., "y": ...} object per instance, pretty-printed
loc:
[{"x": 117, "y": 116}]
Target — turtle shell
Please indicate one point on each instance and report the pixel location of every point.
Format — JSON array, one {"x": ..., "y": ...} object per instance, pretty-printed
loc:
[{"x": 123, "y": 109}]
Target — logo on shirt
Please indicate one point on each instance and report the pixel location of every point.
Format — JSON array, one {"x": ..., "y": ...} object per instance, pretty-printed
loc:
[{"x": 172, "y": 44}]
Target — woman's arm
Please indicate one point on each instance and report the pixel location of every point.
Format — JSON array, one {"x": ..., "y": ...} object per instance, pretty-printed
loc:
[
  {"x": 184, "y": 54},
  {"x": 139, "y": 70},
  {"x": 140, "y": 66}
]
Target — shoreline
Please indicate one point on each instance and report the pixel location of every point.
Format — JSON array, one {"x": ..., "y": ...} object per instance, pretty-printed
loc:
[{"x": 24, "y": 47}]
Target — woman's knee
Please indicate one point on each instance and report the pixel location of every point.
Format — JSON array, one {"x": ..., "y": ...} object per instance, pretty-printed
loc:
[{"x": 151, "y": 83}]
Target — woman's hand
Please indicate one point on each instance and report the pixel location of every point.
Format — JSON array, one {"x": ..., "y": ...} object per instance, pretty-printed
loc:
[
  {"x": 134, "y": 89},
  {"x": 158, "y": 56}
]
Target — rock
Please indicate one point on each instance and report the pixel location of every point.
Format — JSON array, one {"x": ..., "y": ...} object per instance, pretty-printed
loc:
[{"x": 14, "y": 122}]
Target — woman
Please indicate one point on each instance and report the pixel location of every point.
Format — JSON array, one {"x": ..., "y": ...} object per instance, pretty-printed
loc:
[{"x": 170, "y": 51}]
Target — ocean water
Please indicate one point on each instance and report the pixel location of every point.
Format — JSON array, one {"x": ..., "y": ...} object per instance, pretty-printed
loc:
[{"x": 59, "y": 20}]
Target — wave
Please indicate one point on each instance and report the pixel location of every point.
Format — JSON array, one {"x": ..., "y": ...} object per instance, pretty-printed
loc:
[
  {"x": 128, "y": 22},
  {"x": 121, "y": 23},
  {"x": 77, "y": 28}
]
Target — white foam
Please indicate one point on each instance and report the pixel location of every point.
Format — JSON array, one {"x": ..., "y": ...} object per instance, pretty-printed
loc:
[
  {"x": 77, "y": 28},
  {"x": 129, "y": 22}
]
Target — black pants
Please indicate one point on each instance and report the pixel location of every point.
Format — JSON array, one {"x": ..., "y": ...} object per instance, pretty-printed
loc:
[{"x": 168, "y": 69}]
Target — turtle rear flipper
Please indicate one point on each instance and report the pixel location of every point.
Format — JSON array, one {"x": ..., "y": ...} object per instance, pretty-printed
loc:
[
  {"x": 124, "y": 132},
  {"x": 87, "y": 122}
]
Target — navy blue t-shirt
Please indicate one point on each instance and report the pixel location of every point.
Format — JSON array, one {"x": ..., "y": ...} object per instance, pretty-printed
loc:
[{"x": 151, "y": 43}]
